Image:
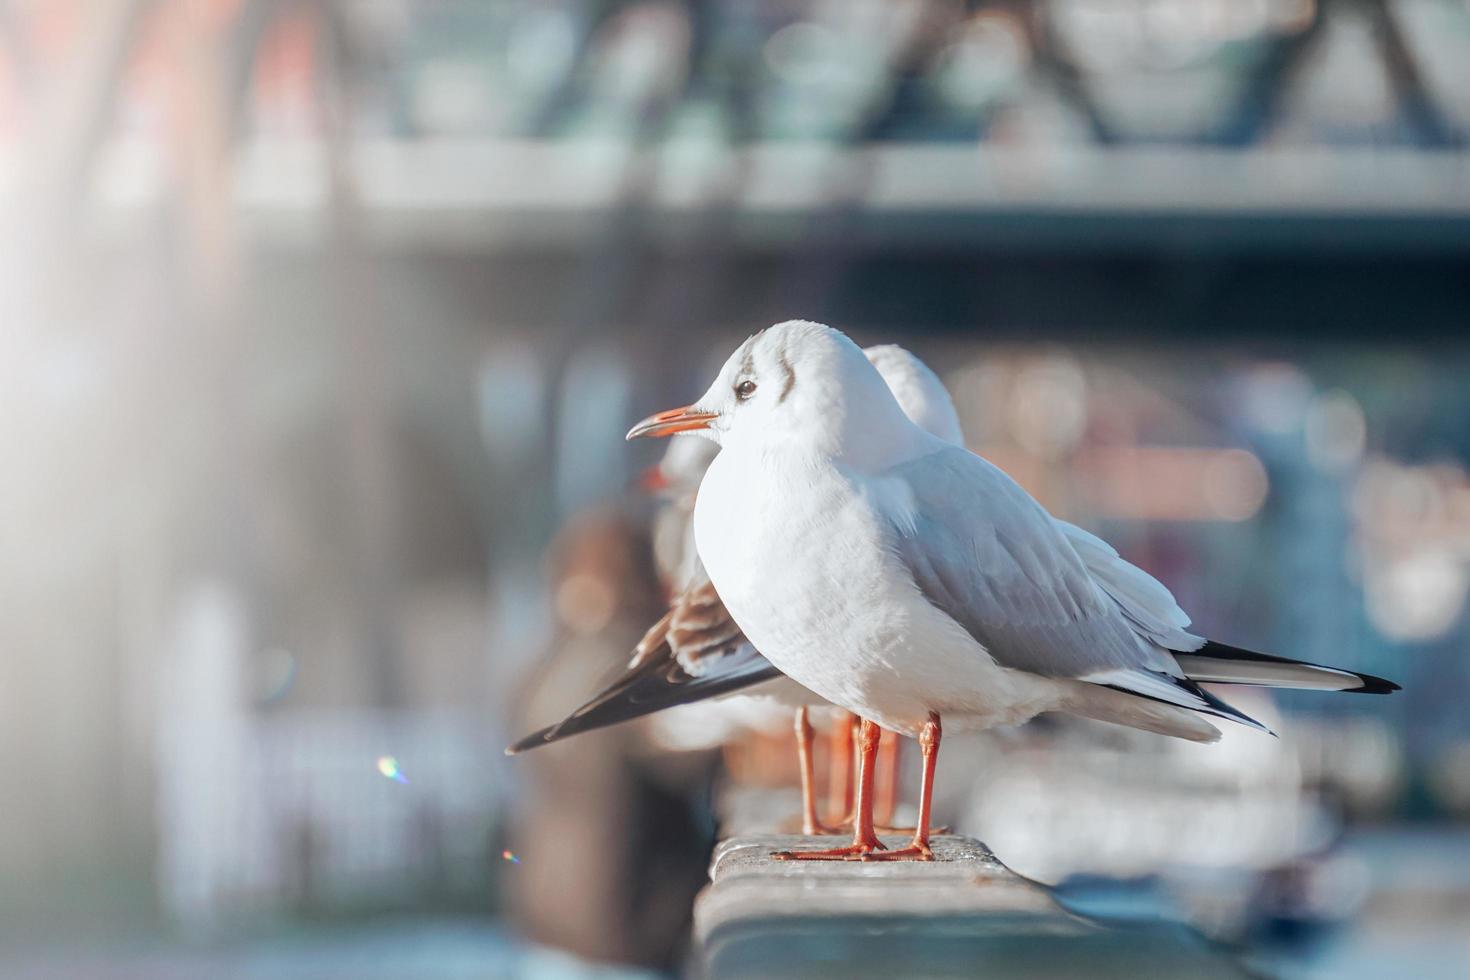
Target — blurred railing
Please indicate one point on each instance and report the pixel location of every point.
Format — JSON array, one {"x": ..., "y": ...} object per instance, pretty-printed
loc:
[{"x": 315, "y": 813}]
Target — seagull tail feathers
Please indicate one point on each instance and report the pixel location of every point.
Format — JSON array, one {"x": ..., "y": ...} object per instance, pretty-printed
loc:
[
  {"x": 1124, "y": 708},
  {"x": 1168, "y": 689},
  {"x": 1220, "y": 663}
]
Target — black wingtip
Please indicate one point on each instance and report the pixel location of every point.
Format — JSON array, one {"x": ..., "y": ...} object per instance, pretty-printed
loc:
[
  {"x": 655, "y": 684},
  {"x": 1224, "y": 651},
  {"x": 1374, "y": 685},
  {"x": 531, "y": 741},
  {"x": 1227, "y": 710}
]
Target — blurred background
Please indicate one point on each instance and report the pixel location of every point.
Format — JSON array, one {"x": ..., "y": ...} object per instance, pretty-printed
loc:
[{"x": 321, "y": 322}]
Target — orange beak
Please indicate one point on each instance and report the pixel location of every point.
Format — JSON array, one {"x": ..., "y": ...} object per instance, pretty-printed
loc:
[{"x": 685, "y": 419}]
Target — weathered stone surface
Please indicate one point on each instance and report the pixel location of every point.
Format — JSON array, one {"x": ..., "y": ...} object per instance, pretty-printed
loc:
[
  {"x": 963, "y": 914},
  {"x": 963, "y": 877}
]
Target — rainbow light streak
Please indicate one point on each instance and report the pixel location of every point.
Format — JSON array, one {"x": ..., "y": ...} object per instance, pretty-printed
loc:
[
  {"x": 388, "y": 766},
  {"x": 510, "y": 856}
]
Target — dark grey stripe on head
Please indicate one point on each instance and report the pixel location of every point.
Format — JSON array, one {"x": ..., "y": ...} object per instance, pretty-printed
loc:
[
  {"x": 747, "y": 365},
  {"x": 790, "y": 376},
  {"x": 747, "y": 356}
]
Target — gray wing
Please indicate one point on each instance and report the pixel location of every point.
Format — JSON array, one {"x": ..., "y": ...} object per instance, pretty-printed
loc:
[
  {"x": 1149, "y": 606},
  {"x": 986, "y": 553}
]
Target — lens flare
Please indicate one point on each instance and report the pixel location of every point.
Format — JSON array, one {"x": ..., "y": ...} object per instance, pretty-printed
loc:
[
  {"x": 510, "y": 856},
  {"x": 388, "y": 766}
]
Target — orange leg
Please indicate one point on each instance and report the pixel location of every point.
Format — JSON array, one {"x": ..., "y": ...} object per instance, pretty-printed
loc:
[
  {"x": 888, "y": 784},
  {"x": 886, "y": 795},
  {"x": 886, "y": 799},
  {"x": 919, "y": 849},
  {"x": 810, "y": 825},
  {"x": 864, "y": 840},
  {"x": 839, "y": 768}
]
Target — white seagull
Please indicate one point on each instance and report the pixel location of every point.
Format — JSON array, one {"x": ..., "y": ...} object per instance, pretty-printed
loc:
[
  {"x": 696, "y": 651},
  {"x": 907, "y": 580}
]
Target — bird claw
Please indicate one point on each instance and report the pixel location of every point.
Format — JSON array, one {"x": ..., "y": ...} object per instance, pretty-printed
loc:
[
  {"x": 914, "y": 852},
  {"x": 852, "y": 852}
]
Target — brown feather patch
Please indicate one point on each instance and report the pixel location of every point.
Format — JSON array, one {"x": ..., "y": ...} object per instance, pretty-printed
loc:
[
  {"x": 700, "y": 628},
  {"x": 655, "y": 638}
]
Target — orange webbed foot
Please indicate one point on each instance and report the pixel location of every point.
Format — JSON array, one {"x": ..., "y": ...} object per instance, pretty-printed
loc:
[
  {"x": 914, "y": 852},
  {"x": 855, "y": 851}
]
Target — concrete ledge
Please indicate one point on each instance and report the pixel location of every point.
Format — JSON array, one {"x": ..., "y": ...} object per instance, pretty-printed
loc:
[
  {"x": 964, "y": 914},
  {"x": 963, "y": 877}
]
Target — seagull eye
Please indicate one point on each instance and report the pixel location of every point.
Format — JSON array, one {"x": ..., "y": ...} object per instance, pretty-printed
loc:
[{"x": 744, "y": 390}]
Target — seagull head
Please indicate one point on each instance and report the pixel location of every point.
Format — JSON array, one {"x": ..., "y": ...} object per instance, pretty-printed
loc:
[
  {"x": 798, "y": 384},
  {"x": 920, "y": 393}
]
